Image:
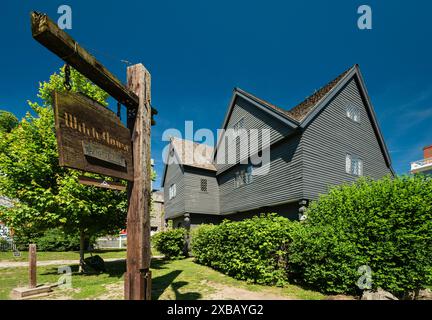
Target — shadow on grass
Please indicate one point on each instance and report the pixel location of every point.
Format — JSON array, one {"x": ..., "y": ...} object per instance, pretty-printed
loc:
[
  {"x": 159, "y": 263},
  {"x": 161, "y": 283},
  {"x": 113, "y": 269}
]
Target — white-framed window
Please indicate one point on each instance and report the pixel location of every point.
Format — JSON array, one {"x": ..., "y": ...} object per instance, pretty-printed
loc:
[
  {"x": 354, "y": 165},
  {"x": 353, "y": 113},
  {"x": 204, "y": 185},
  {"x": 244, "y": 176},
  {"x": 238, "y": 125},
  {"x": 172, "y": 191}
]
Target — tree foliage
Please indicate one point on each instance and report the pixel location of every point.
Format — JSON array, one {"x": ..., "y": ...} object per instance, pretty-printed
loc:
[
  {"x": 46, "y": 195},
  {"x": 8, "y": 121}
]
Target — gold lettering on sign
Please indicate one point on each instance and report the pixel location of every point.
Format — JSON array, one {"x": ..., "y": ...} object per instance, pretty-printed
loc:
[{"x": 75, "y": 123}]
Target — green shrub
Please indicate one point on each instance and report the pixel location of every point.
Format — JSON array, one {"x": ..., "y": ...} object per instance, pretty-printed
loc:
[
  {"x": 3, "y": 243},
  {"x": 384, "y": 224},
  {"x": 171, "y": 243},
  {"x": 51, "y": 240},
  {"x": 252, "y": 249}
]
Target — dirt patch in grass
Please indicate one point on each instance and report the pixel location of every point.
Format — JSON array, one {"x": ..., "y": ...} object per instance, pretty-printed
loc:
[
  {"x": 115, "y": 291},
  {"x": 225, "y": 292}
]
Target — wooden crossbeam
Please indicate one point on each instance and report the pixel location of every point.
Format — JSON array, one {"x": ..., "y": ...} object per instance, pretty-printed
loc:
[
  {"x": 47, "y": 33},
  {"x": 101, "y": 183}
]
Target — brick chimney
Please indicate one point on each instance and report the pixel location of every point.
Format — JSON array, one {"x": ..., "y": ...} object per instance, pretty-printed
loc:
[{"x": 427, "y": 152}]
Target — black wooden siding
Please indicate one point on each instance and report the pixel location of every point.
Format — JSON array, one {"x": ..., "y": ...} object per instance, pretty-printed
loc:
[
  {"x": 330, "y": 136},
  {"x": 175, "y": 206},
  {"x": 282, "y": 184},
  {"x": 254, "y": 118},
  {"x": 197, "y": 201}
]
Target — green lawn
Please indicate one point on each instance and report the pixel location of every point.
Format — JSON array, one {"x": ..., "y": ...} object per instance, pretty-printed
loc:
[
  {"x": 180, "y": 279},
  {"x": 70, "y": 255}
]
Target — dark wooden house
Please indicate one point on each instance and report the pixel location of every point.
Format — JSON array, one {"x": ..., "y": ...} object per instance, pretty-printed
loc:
[{"x": 330, "y": 138}]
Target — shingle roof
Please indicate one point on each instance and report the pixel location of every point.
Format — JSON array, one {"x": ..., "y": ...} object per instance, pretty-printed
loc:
[
  {"x": 300, "y": 111},
  {"x": 194, "y": 154},
  {"x": 267, "y": 104}
]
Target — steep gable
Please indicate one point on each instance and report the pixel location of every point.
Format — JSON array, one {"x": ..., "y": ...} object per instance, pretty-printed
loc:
[
  {"x": 331, "y": 135},
  {"x": 302, "y": 114}
]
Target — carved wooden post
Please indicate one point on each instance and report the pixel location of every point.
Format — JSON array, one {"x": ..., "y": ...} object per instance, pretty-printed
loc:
[
  {"x": 138, "y": 276},
  {"x": 32, "y": 266}
]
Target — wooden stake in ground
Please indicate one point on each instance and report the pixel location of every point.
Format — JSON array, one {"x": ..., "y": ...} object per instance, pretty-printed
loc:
[
  {"x": 32, "y": 266},
  {"x": 138, "y": 275}
]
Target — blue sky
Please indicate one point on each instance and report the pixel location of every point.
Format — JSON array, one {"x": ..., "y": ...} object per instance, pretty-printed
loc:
[{"x": 281, "y": 51}]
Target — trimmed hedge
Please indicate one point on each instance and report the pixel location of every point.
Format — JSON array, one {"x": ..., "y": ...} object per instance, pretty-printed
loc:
[
  {"x": 252, "y": 249},
  {"x": 171, "y": 243},
  {"x": 385, "y": 225}
]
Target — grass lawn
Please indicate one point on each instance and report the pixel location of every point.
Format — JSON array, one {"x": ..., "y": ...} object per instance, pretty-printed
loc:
[
  {"x": 68, "y": 255},
  {"x": 180, "y": 279}
]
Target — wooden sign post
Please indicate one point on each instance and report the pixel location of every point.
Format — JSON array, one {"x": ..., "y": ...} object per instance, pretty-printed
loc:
[
  {"x": 138, "y": 276},
  {"x": 32, "y": 266},
  {"x": 107, "y": 154}
]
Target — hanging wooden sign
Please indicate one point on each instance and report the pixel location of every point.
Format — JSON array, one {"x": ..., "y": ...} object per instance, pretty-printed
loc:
[{"x": 91, "y": 137}]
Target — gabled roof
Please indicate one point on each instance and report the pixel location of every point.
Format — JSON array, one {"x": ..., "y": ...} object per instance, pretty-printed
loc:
[
  {"x": 190, "y": 154},
  {"x": 300, "y": 111},
  {"x": 300, "y": 115},
  {"x": 193, "y": 154}
]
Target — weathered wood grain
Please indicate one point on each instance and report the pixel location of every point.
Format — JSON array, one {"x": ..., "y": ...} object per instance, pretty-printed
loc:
[
  {"x": 32, "y": 266},
  {"x": 91, "y": 138},
  {"x": 101, "y": 183},
  {"x": 47, "y": 33},
  {"x": 138, "y": 222}
]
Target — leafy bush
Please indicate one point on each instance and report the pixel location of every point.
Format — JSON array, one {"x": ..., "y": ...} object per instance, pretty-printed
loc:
[
  {"x": 252, "y": 249},
  {"x": 171, "y": 243},
  {"x": 385, "y": 225},
  {"x": 3, "y": 243},
  {"x": 51, "y": 240}
]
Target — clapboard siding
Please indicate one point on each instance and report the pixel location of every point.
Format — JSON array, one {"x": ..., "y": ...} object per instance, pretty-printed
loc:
[
  {"x": 254, "y": 118},
  {"x": 282, "y": 183},
  {"x": 197, "y": 201},
  {"x": 175, "y": 206},
  {"x": 331, "y": 135}
]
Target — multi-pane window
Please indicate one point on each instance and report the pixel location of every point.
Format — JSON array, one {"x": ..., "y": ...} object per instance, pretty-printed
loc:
[
  {"x": 238, "y": 125},
  {"x": 172, "y": 191},
  {"x": 353, "y": 113},
  {"x": 354, "y": 165},
  {"x": 244, "y": 176},
  {"x": 204, "y": 185}
]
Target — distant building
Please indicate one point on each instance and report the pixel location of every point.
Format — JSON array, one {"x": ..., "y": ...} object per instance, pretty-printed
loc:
[
  {"x": 425, "y": 165},
  {"x": 5, "y": 233},
  {"x": 157, "y": 221}
]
